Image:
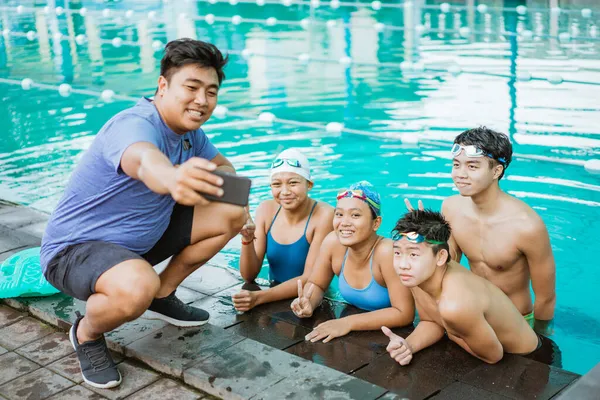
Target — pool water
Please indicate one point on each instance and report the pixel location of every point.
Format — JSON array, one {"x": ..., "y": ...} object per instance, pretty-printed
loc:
[{"x": 403, "y": 79}]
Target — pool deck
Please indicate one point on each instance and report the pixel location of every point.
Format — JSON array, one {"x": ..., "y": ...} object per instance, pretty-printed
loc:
[{"x": 262, "y": 354}]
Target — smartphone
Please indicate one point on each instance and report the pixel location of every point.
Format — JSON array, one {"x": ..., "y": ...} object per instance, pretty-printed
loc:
[{"x": 236, "y": 189}]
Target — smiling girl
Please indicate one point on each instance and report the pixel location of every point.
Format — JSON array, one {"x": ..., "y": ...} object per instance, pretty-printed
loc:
[
  {"x": 289, "y": 231},
  {"x": 363, "y": 260}
]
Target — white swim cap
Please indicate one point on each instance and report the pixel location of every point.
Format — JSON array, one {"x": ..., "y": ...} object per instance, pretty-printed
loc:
[{"x": 291, "y": 160}]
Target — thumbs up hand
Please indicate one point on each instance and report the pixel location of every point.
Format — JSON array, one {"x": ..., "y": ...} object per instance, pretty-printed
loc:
[{"x": 398, "y": 347}]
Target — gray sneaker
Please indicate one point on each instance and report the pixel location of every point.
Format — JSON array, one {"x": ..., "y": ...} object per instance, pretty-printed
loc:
[
  {"x": 97, "y": 366},
  {"x": 176, "y": 312}
]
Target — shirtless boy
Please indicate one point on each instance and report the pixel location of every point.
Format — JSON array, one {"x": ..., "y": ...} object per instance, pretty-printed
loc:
[
  {"x": 474, "y": 313},
  {"x": 505, "y": 241}
]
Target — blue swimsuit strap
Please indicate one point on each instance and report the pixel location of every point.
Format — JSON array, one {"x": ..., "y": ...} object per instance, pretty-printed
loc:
[
  {"x": 305, "y": 228},
  {"x": 371, "y": 261}
]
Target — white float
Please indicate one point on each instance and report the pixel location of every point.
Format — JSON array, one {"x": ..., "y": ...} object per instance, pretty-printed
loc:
[
  {"x": 345, "y": 60},
  {"x": 271, "y": 21},
  {"x": 464, "y": 31},
  {"x": 30, "y": 36},
  {"x": 523, "y": 76},
  {"x": 564, "y": 37},
  {"x": 246, "y": 54},
  {"x": 27, "y": 83},
  {"x": 445, "y": 7},
  {"x": 334, "y": 4},
  {"x": 266, "y": 117},
  {"x": 80, "y": 39},
  {"x": 586, "y": 13},
  {"x": 59, "y": 10},
  {"x": 236, "y": 20},
  {"x": 260, "y": 3},
  {"x": 482, "y": 8},
  {"x": 334, "y": 127},
  {"x": 107, "y": 95},
  {"x": 376, "y": 5},
  {"x": 210, "y": 19},
  {"x": 64, "y": 90},
  {"x": 83, "y": 11},
  {"x": 527, "y": 35},
  {"x": 220, "y": 111},
  {"x": 304, "y": 58},
  {"x": 157, "y": 45},
  {"x": 521, "y": 10},
  {"x": 592, "y": 166},
  {"x": 117, "y": 42},
  {"x": 379, "y": 27},
  {"x": 305, "y": 23},
  {"x": 454, "y": 69},
  {"x": 555, "y": 79}
]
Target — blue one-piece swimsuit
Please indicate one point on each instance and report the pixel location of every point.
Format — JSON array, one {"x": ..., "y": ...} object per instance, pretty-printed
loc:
[
  {"x": 286, "y": 261},
  {"x": 373, "y": 297}
]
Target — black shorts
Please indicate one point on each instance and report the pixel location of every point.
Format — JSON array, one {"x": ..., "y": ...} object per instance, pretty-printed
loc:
[
  {"x": 547, "y": 352},
  {"x": 76, "y": 268}
]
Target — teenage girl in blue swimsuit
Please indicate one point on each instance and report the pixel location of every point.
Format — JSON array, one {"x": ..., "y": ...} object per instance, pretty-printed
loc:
[
  {"x": 289, "y": 231},
  {"x": 363, "y": 260}
]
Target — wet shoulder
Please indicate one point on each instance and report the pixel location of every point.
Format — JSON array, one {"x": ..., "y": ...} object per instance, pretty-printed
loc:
[
  {"x": 454, "y": 205},
  {"x": 322, "y": 214},
  {"x": 524, "y": 218},
  {"x": 266, "y": 211},
  {"x": 384, "y": 250}
]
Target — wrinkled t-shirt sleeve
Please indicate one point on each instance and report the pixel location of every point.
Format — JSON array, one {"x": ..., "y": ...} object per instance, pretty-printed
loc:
[
  {"x": 123, "y": 133},
  {"x": 203, "y": 147}
]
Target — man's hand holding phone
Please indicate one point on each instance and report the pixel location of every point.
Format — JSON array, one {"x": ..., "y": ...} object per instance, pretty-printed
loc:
[{"x": 194, "y": 178}]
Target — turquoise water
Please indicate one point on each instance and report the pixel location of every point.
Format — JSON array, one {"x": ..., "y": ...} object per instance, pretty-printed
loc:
[{"x": 412, "y": 85}]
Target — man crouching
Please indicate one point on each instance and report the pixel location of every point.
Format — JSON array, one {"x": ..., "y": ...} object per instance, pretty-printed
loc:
[{"x": 450, "y": 299}]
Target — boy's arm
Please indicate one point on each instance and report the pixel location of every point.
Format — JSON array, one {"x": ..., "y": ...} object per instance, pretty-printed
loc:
[
  {"x": 425, "y": 334},
  {"x": 467, "y": 327},
  {"x": 455, "y": 251},
  {"x": 535, "y": 245}
]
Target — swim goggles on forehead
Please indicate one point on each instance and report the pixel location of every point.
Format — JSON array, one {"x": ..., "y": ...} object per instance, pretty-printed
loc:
[
  {"x": 414, "y": 237},
  {"x": 289, "y": 161},
  {"x": 358, "y": 194},
  {"x": 473, "y": 151}
]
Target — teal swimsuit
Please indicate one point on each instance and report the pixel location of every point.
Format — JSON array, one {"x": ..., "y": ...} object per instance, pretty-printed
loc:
[
  {"x": 286, "y": 261},
  {"x": 373, "y": 297}
]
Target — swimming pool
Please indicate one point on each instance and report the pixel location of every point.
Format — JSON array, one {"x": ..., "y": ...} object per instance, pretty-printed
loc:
[{"x": 403, "y": 80}]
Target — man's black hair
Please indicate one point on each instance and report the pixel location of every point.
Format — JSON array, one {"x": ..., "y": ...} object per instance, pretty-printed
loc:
[
  {"x": 491, "y": 142},
  {"x": 181, "y": 52},
  {"x": 428, "y": 223}
]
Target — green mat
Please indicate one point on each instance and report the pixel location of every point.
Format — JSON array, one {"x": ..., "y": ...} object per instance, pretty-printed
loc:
[{"x": 21, "y": 276}]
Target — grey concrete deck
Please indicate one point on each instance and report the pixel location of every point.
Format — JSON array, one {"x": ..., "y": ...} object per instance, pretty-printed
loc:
[{"x": 262, "y": 354}]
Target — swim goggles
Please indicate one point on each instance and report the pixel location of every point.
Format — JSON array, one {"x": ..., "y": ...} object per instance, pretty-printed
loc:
[
  {"x": 359, "y": 194},
  {"x": 414, "y": 237},
  {"x": 473, "y": 151},
  {"x": 289, "y": 161}
]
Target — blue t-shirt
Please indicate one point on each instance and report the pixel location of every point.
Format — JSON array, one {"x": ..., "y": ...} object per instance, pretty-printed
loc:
[{"x": 102, "y": 203}]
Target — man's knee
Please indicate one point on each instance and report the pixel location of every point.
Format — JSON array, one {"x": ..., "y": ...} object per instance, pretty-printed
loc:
[
  {"x": 237, "y": 218},
  {"x": 132, "y": 287}
]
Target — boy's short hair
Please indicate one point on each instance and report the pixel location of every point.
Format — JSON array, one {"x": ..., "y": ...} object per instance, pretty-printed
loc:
[
  {"x": 428, "y": 223},
  {"x": 491, "y": 142}
]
